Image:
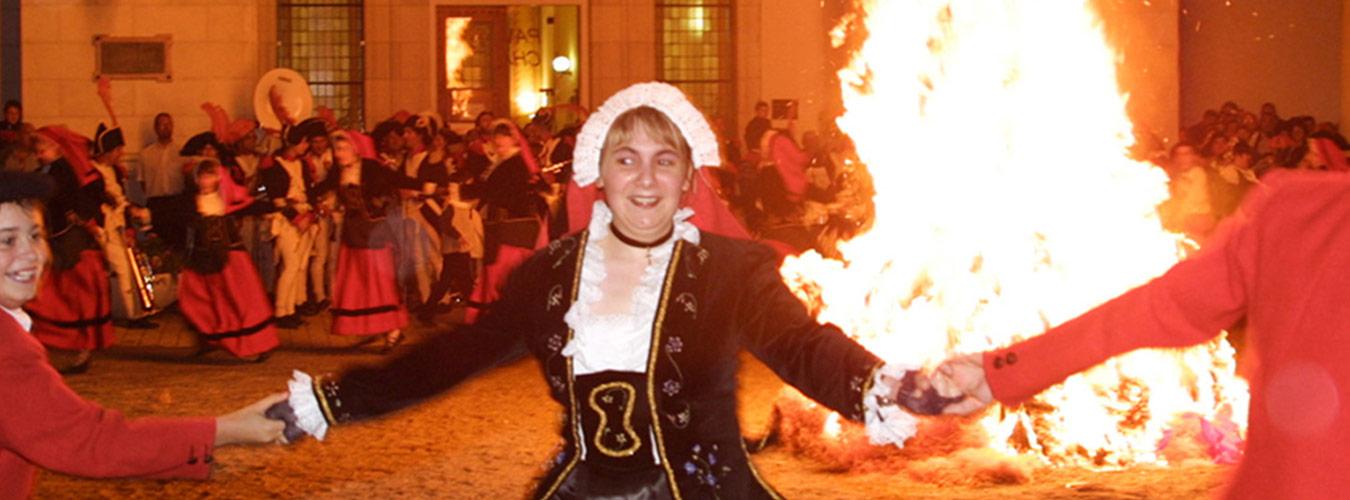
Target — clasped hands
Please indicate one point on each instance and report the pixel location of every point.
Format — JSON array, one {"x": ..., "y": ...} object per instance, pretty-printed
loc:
[
  {"x": 957, "y": 386},
  {"x": 268, "y": 420}
]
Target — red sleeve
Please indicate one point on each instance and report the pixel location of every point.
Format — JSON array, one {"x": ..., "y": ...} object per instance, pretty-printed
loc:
[
  {"x": 49, "y": 425},
  {"x": 1187, "y": 305}
]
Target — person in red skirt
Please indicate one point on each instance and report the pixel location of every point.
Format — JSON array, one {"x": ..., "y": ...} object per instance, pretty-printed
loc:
[
  {"x": 366, "y": 298},
  {"x": 45, "y": 424},
  {"x": 514, "y": 213},
  {"x": 219, "y": 291},
  {"x": 73, "y": 309}
]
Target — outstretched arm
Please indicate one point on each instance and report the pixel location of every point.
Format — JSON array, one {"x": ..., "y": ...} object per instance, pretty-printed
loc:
[
  {"x": 49, "y": 425},
  {"x": 1187, "y": 305},
  {"x": 423, "y": 370}
]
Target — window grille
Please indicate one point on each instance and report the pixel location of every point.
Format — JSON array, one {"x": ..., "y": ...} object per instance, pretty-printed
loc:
[
  {"x": 324, "y": 41},
  {"x": 696, "y": 52}
]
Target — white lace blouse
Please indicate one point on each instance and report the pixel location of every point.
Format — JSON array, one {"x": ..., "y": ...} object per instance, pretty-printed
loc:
[{"x": 618, "y": 342}]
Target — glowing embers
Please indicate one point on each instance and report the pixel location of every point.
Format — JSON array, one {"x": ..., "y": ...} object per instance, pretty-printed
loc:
[{"x": 996, "y": 137}]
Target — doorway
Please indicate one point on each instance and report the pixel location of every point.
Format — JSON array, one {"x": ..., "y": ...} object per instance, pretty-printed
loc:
[{"x": 509, "y": 60}]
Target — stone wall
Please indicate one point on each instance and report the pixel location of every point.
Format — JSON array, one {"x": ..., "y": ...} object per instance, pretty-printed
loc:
[{"x": 217, "y": 55}]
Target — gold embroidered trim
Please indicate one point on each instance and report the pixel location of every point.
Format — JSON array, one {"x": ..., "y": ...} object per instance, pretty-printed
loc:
[
  {"x": 603, "y": 392},
  {"x": 323, "y": 401},
  {"x": 754, "y": 472},
  {"x": 651, "y": 366},
  {"x": 571, "y": 389}
]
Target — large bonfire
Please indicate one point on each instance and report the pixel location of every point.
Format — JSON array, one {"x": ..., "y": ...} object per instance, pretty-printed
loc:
[{"x": 996, "y": 138}]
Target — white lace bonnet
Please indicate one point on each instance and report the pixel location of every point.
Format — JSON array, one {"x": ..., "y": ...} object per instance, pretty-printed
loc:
[{"x": 663, "y": 97}]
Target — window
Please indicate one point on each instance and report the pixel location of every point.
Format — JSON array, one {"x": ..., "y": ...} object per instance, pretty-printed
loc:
[
  {"x": 695, "y": 52},
  {"x": 473, "y": 39},
  {"x": 322, "y": 40}
]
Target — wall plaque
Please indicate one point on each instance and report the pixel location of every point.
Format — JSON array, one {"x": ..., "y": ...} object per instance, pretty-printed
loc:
[{"x": 127, "y": 57}]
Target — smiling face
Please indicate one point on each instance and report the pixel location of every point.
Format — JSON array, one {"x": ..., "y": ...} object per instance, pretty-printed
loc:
[
  {"x": 645, "y": 169},
  {"x": 23, "y": 253}
]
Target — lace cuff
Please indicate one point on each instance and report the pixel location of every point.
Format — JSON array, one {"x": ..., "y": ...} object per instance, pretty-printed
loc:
[
  {"x": 886, "y": 421},
  {"x": 309, "y": 415}
]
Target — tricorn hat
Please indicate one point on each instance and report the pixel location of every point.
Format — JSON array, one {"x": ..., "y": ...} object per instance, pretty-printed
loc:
[{"x": 107, "y": 139}]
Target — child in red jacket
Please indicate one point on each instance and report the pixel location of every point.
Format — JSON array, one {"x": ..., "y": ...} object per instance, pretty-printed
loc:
[{"x": 53, "y": 427}]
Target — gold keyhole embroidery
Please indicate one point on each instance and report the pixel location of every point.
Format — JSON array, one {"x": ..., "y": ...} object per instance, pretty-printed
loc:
[{"x": 607, "y": 393}]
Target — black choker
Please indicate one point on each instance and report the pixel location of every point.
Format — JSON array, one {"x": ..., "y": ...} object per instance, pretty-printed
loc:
[{"x": 640, "y": 244}]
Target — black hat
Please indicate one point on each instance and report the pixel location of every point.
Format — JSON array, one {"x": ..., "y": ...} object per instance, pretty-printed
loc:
[
  {"x": 300, "y": 132},
  {"x": 197, "y": 143},
  {"x": 19, "y": 186},
  {"x": 385, "y": 128},
  {"x": 107, "y": 139}
]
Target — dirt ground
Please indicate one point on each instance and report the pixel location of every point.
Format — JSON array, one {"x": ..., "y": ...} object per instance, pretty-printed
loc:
[{"x": 492, "y": 435}]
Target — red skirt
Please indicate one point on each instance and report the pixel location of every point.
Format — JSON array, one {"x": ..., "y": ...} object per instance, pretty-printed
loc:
[
  {"x": 229, "y": 308},
  {"x": 73, "y": 308},
  {"x": 488, "y": 287},
  {"x": 366, "y": 300}
]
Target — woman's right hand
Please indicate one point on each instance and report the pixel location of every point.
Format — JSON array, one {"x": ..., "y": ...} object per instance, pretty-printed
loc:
[{"x": 250, "y": 425}]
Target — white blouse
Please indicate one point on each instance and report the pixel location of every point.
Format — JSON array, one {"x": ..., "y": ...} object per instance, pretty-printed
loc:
[{"x": 619, "y": 342}]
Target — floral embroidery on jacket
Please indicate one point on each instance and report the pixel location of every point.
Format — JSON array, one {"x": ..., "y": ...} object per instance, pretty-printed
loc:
[
  {"x": 689, "y": 304},
  {"x": 555, "y": 297},
  {"x": 670, "y": 387},
  {"x": 705, "y": 467},
  {"x": 674, "y": 345}
]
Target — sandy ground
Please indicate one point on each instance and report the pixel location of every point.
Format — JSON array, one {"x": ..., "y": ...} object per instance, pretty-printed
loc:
[{"x": 492, "y": 435}]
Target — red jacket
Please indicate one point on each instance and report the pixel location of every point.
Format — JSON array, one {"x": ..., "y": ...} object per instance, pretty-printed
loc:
[
  {"x": 43, "y": 423},
  {"x": 1284, "y": 263}
]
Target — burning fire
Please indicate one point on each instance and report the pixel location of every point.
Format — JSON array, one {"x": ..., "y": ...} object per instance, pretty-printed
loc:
[
  {"x": 996, "y": 137},
  {"x": 456, "y": 51}
]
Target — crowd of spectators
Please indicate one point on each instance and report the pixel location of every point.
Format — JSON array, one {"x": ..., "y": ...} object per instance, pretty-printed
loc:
[{"x": 1220, "y": 158}]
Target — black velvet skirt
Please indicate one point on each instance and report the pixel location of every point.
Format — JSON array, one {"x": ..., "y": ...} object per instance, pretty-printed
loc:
[{"x": 589, "y": 481}]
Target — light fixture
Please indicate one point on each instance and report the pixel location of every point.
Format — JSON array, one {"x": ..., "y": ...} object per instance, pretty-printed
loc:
[{"x": 562, "y": 64}]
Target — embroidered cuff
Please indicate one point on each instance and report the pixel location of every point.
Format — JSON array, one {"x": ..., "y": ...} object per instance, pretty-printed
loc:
[
  {"x": 886, "y": 422},
  {"x": 309, "y": 415}
]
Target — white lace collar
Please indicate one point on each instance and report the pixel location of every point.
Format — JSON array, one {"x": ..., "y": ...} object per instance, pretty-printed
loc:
[{"x": 618, "y": 342}]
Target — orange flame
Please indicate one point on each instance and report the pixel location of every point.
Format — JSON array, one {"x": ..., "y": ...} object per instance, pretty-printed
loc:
[
  {"x": 996, "y": 137},
  {"x": 456, "y": 51}
]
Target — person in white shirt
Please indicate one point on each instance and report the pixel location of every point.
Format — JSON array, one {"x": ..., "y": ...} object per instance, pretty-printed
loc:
[{"x": 161, "y": 176}]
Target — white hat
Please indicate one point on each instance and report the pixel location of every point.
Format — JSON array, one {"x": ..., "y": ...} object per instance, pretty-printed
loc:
[{"x": 663, "y": 97}]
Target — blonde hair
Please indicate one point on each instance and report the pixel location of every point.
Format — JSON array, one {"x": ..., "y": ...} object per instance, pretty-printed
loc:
[{"x": 655, "y": 124}]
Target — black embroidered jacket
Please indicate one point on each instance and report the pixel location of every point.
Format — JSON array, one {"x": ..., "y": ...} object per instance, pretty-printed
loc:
[{"x": 718, "y": 298}]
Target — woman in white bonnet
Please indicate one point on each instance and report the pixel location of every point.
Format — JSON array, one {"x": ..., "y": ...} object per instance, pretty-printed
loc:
[{"x": 637, "y": 322}]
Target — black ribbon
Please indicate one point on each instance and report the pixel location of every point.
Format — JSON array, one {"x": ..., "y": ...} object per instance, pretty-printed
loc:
[{"x": 639, "y": 244}]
